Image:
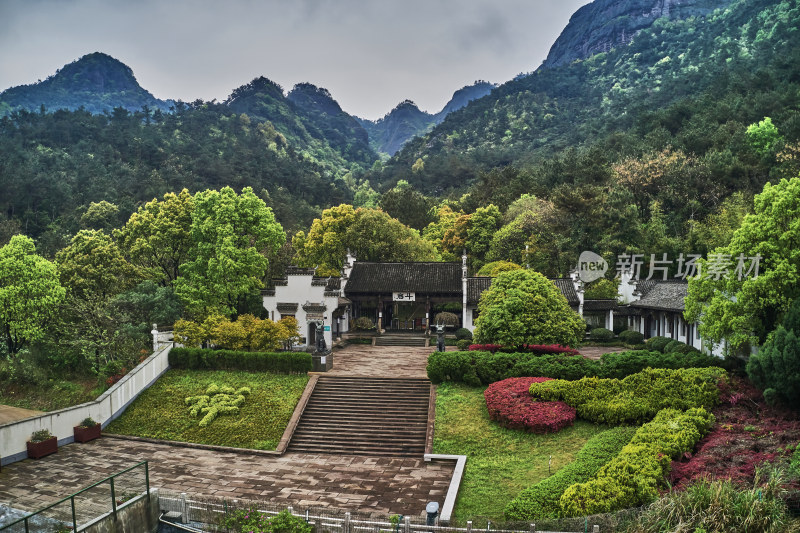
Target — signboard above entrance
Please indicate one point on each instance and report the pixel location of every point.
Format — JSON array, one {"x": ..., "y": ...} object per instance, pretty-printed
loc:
[{"x": 403, "y": 297}]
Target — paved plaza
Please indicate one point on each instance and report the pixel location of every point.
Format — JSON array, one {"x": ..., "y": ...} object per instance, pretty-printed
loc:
[{"x": 356, "y": 483}]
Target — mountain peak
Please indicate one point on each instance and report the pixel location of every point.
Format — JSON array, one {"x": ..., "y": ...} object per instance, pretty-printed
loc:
[
  {"x": 96, "y": 82},
  {"x": 605, "y": 24}
]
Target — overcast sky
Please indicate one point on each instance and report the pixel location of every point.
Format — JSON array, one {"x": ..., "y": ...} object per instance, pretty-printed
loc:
[{"x": 370, "y": 54}]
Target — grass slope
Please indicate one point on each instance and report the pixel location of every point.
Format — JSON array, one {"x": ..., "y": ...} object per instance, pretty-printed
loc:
[
  {"x": 51, "y": 394},
  {"x": 500, "y": 462},
  {"x": 160, "y": 412}
]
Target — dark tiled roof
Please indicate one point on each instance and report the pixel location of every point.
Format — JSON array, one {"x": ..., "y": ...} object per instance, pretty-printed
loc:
[
  {"x": 567, "y": 288},
  {"x": 600, "y": 305},
  {"x": 314, "y": 308},
  {"x": 430, "y": 278},
  {"x": 643, "y": 286},
  {"x": 297, "y": 271},
  {"x": 286, "y": 307},
  {"x": 267, "y": 292},
  {"x": 475, "y": 287},
  {"x": 664, "y": 295}
]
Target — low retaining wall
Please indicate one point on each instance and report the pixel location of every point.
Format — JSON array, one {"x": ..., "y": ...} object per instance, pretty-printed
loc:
[
  {"x": 139, "y": 515},
  {"x": 104, "y": 409}
]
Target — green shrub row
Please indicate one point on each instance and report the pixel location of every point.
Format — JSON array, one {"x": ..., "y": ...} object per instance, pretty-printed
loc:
[
  {"x": 482, "y": 368},
  {"x": 277, "y": 362},
  {"x": 632, "y": 478},
  {"x": 542, "y": 499},
  {"x": 668, "y": 345},
  {"x": 636, "y": 398},
  {"x": 631, "y": 337},
  {"x": 601, "y": 334}
]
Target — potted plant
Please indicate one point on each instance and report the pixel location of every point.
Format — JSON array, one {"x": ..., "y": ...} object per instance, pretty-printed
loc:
[
  {"x": 87, "y": 430},
  {"x": 42, "y": 443}
]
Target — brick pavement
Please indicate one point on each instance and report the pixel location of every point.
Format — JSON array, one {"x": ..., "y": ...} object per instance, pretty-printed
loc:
[
  {"x": 367, "y": 484},
  {"x": 381, "y": 361}
]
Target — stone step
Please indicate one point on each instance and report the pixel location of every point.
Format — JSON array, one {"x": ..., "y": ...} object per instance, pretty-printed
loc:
[
  {"x": 364, "y": 416},
  {"x": 400, "y": 340}
]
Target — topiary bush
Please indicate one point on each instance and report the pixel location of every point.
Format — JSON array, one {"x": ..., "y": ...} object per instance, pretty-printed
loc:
[
  {"x": 657, "y": 343},
  {"x": 510, "y": 404},
  {"x": 601, "y": 334},
  {"x": 776, "y": 368},
  {"x": 278, "y": 362},
  {"x": 672, "y": 346},
  {"x": 463, "y": 344},
  {"x": 631, "y": 337},
  {"x": 634, "y": 476},
  {"x": 636, "y": 398},
  {"x": 363, "y": 323},
  {"x": 463, "y": 333},
  {"x": 542, "y": 500}
]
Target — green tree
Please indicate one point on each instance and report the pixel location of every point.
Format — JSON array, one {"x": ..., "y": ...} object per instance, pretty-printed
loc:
[
  {"x": 764, "y": 137},
  {"x": 158, "y": 237},
  {"x": 325, "y": 243},
  {"x": 100, "y": 215},
  {"x": 744, "y": 310},
  {"x": 494, "y": 268},
  {"x": 524, "y": 307},
  {"x": 407, "y": 205},
  {"x": 231, "y": 237},
  {"x": 93, "y": 270},
  {"x": 776, "y": 368},
  {"x": 30, "y": 293}
]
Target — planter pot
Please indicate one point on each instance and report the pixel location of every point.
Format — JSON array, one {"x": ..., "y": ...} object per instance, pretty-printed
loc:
[
  {"x": 83, "y": 434},
  {"x": 40, "y": 449}
]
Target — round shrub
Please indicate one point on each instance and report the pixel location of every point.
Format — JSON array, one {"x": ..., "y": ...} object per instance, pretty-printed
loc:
[
  {"x": 601, "y": 334},
  {"x": 631, "y": 337},
  {"x": 463, "y": 345},
  {"x": 363, "y": 323},
  {"x": 672, "y": 346},
  {"x": 657, "y": 343},
  {"x": 463, "y": 333},
  {"x": 510, "y": 404}
]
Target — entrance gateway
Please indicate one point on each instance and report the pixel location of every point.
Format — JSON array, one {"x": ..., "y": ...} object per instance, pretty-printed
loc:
[{"x": 402, "y": 297}]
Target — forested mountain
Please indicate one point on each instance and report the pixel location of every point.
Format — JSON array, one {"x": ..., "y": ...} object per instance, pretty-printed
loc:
[
  {"x": 54, "y": 165},
  {"x": 309, "y": 118},
  {"x": 97, "y": 82},
  {"x": 691, "y": 83},
  {"x": 606, "y": 24},
  {"x": 388, "y": 134}
]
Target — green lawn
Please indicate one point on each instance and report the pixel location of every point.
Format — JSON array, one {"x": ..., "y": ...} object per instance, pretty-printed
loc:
[
  {"x": 160, "y": 412},
  {"x": 500, "y": 462}
]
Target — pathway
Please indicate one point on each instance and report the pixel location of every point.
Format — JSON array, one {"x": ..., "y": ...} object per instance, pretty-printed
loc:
[
  {"x": 381, "y": 361},
  {"x": 12, "y": 414}
]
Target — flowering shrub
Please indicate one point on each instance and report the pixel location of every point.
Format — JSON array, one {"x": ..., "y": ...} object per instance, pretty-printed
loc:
[{"x": 510, "y": 404}]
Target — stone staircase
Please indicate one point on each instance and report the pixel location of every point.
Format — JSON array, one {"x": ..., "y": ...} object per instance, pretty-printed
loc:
[
  {"x": 400, "y": 340},
  {"x": 364, "y": 416}
]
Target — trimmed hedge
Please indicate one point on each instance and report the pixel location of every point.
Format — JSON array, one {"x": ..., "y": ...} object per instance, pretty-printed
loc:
[
  {"x": 540, "y": 349},
  {"x": 542, "y": 499},
  {"x": 477, "y": 368},
  {"x": 636, "y": 398},
  {"x": 601, "y": 334},
  {"x": 632, "y": 478},
  {"x": 509, "y": 404},
  {"x": 277, "y": 362},
  {"x": 657, "y": 344},
  {"x": 463, "y": 334},
  {"x": 631, "y": 337}
]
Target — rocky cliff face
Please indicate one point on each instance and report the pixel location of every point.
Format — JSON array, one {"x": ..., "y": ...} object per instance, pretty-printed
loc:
[{"x": 605, "y": 24}]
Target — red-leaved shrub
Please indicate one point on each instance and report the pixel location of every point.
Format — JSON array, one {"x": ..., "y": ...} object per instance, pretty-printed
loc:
[
  {"x": 510, "y": 404},
  {"x": 539, "y": 349},
  {"x": 748, "y": 433}
]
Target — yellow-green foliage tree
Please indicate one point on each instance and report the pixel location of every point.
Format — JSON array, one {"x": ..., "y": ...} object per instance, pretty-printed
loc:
[
  {"x": 30, "y": 293},
  {"x": 246, "y": 333}
]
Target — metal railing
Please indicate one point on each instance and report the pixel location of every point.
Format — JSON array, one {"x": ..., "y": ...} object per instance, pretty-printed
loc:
[
  {"x": 79, "y": 509},
  {"x": 205, "y": 512}
]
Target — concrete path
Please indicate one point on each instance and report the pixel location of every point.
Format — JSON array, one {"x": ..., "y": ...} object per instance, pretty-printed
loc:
[
  {"x": 595, "y": 352},
  {"x": 12, "y": 414}
]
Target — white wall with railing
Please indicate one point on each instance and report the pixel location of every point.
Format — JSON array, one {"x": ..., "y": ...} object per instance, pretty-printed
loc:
[{"x": 107, "y": 407}]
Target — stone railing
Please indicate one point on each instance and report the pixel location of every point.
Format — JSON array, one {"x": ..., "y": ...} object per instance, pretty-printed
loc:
[{"x": 104, "y": 409}]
